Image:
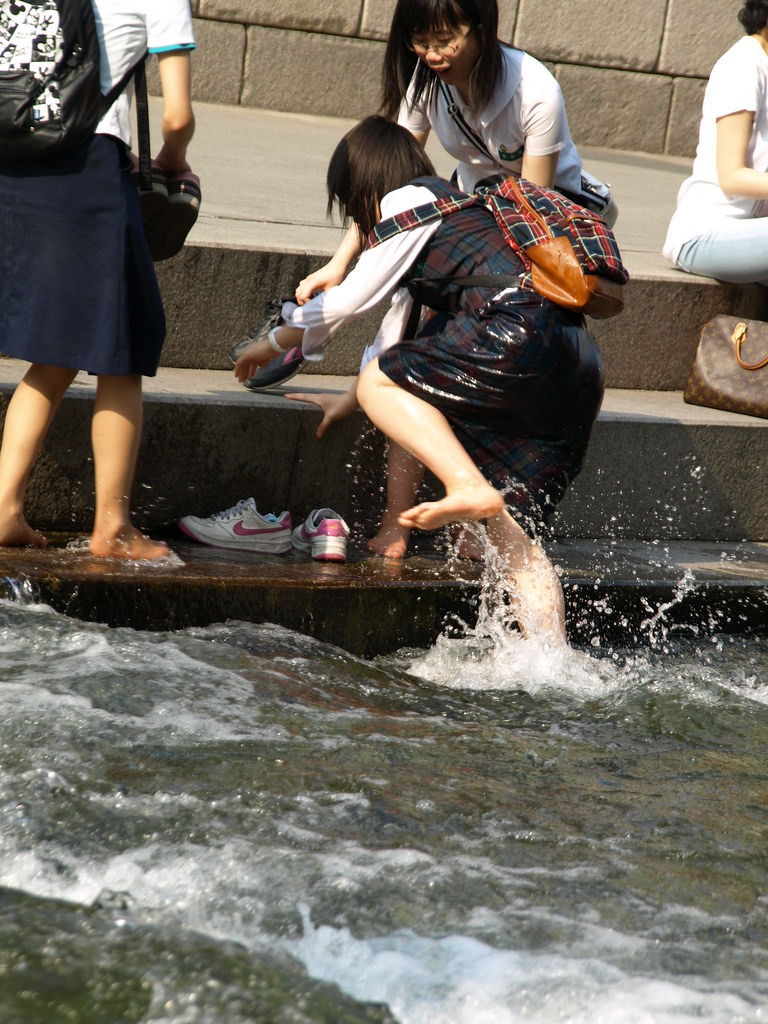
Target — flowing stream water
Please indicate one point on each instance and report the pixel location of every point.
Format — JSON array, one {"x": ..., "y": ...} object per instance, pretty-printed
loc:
[{"x": 241, "y": 824}]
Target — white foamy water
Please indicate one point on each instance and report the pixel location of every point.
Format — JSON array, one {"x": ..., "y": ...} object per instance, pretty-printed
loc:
[
  {"x": 508, "y": 661},
  {"x": 459, "y": 980}
]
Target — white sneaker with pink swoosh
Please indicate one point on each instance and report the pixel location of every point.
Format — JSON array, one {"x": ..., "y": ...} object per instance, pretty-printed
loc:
[{"x": 241, "y": 528}]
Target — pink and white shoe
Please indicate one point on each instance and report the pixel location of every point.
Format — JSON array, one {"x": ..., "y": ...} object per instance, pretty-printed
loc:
[{"x": 323, "y": 533}]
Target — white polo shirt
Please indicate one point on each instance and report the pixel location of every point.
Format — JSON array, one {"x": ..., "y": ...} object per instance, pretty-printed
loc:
[
  {"x": 526, "y": 111},
  {"x": 126, "y": 29}
]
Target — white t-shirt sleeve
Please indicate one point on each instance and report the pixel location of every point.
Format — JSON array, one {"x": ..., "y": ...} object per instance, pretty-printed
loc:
[
  {"x": 125, "y": 33},
  {"x": 169, "y": 26},
  {"x": 734, "y": 85},
  {"x": 542, "y": 110},
  {"x": 376, "y": 275}
]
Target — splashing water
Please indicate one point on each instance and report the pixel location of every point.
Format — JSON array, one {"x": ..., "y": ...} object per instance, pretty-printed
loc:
[
  {"x": 492, "y": 655},
  {"x": 655, "y": 627},
  {"x": 20, "y": 590}
]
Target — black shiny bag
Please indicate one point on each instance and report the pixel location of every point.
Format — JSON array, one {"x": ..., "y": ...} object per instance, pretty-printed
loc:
[{"x": 50, "y": 92}]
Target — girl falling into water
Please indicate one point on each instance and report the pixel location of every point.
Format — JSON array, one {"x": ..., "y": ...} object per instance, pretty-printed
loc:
[
  {"x": 496, "y": 110},
  {"x": 496, "y": 394}
]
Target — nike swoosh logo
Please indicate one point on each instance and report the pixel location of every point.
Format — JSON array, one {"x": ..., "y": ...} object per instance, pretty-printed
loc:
[{"x": 243, "y": 531}]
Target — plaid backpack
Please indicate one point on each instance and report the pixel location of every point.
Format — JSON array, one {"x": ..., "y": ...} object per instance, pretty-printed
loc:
[
  {"x": 50, "y": 93},
  {"x": 570, "y": 254}
]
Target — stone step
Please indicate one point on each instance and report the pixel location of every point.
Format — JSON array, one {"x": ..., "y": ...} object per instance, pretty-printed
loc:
[
  {"x": 214, "y": 295},
  {"x": 657, "y": 469},
  {"x": 615, "y": 593}
]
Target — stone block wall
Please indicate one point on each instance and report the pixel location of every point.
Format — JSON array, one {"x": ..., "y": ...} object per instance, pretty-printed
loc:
[{"x": 632, "y": 73}]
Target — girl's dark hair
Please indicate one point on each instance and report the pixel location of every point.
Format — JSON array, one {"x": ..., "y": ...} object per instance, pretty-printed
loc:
[
  {"x": 754, "y": 16},
  {"x": 374, "y": 158},
  {"x": 414, "y": 17}
]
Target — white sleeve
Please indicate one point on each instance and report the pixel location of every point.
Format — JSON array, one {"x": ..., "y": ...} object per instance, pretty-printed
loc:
[
  {"x": 169, "y": 26},
  {"x": 542, "y": 111},
  {"x": 733, "y": 86},
  {"x": 376, "y": 275}
]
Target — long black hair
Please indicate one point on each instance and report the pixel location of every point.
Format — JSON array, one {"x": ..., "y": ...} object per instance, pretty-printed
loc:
[
  {"x": 414, "y": 17},
  {"x": 375, "y": 157},
  {"x": 754, "y": 16}
]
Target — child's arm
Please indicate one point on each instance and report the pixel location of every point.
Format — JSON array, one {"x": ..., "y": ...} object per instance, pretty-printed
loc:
[
  {"x": 334, "y": 407},
  {"x": 334, "y": 270},
  {"x": 262, "y": 351}
]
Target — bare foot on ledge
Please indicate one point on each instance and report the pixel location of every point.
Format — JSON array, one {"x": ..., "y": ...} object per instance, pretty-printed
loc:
[
  {"x": 130, "y": 544},
  {"x": 17, "y": 533},
  {"x": 391, "y": 540}
]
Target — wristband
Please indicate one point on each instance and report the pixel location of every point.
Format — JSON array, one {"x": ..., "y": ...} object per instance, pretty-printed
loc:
[{"x": 273, "y": 342}]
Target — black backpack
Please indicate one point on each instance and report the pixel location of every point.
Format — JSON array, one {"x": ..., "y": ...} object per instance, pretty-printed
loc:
[{"x": 50, "y": 95}]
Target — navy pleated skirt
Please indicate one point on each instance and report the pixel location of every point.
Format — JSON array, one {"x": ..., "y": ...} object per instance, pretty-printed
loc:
[
  {"x": 521, "y": 385},
  {"x": 77, "y": 285}
]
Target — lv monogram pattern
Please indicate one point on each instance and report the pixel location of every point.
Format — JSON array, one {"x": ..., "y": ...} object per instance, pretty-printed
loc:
[{"x": 717, "y": 381}]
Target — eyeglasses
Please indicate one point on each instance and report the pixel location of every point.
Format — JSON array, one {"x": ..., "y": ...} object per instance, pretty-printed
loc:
[{"x": 445, "y": 47}]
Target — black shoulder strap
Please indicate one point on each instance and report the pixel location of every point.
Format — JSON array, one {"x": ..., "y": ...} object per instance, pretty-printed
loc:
[
  {"x": 118, "y": 87},
  {"x": 413, "y": 320},
  {"x": 466, "y": 130},
  {"x": 142, "y": 128}
]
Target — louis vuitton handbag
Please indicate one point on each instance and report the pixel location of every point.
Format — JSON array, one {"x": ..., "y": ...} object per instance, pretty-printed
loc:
[{"x": 730, "y": 369}]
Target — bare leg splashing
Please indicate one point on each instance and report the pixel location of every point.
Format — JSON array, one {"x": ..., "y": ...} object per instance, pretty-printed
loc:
[{"x": 425, "y": 432}]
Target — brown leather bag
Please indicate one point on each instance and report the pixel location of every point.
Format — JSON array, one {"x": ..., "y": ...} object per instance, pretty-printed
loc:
[
  {"x": 569, "y": 254},
  {"x": 726, "y": 371},
  {"x": 557, "y": 272}
]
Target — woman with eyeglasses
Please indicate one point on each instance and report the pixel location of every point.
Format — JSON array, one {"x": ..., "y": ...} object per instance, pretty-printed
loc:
[{"x": 495, "y": 108}]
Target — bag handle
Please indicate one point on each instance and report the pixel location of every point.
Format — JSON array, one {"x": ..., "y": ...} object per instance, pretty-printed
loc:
[
  {"x": 738, "y": 338},
  {"x": 527, "y": 208}
]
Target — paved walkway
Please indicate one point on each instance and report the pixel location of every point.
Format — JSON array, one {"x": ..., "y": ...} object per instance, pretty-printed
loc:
[{"x": 263, "y": 181}]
